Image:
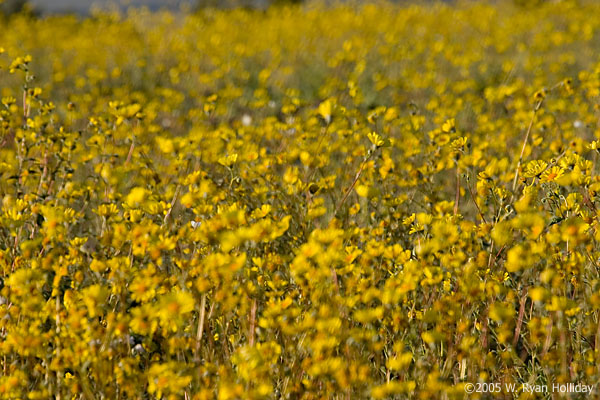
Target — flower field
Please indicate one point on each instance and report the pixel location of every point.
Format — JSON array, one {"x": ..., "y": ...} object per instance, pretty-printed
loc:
[{"x": 383, "y": 201}]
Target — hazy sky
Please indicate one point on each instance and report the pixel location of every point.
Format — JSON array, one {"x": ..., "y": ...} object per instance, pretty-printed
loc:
[{"x": 84, "y": 5}]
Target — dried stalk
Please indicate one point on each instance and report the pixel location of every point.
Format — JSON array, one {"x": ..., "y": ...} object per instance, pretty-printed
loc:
[{"x": 200, "y": 324}]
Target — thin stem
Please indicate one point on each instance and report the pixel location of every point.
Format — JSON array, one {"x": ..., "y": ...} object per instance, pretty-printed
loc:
[
  {"x": 535, "y": 110},
  {"x": 360, "y": 170},
  {"x": 130, "y": 150},
  {"x": 307, "y": 178},
  {"x": 457, "y": 197},
  {"x": 520, "y": 318},
  {"x": 475, "y": 202},
  {"x": 252, "y": 322},
  {"x": 200, "y": 323},
  {"x": 173, "y": 200},
  {"x": 596, "y": 343}
]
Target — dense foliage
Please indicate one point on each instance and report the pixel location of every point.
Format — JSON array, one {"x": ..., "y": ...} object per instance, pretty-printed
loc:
[{"x": 384, "y": 201}]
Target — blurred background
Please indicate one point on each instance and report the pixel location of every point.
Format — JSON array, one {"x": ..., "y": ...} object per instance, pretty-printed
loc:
[{"x": 85, "y": 6}]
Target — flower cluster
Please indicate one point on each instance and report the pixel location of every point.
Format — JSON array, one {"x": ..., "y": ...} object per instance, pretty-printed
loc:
[{"x": 375, "y": 201}]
